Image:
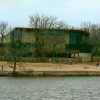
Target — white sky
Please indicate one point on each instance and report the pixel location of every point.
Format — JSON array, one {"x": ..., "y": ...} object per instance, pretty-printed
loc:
[{"x": 73, "y": 12}]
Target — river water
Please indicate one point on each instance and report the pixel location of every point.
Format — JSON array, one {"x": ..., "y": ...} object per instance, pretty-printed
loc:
[{"x": 50, "y": 88}]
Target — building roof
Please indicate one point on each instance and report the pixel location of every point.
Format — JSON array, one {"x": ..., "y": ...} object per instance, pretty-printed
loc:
[{"x": 68, "y": 30}]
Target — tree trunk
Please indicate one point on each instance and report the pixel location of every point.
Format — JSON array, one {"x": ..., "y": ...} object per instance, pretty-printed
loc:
[{"x": 14, "y": 68}]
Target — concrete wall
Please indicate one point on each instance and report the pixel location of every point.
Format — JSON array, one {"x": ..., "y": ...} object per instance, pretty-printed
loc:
[
  {"x": 86, "y": 57},
  {"x": 6, "y": 39}
]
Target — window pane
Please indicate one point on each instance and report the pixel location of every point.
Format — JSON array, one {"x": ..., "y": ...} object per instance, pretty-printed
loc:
[{"x": 73, "y": 38}]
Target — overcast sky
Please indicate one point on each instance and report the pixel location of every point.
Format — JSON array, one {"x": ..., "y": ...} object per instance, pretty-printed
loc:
[{"x": 73, "y": 12}]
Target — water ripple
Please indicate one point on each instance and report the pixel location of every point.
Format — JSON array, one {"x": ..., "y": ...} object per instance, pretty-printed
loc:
[{"x": 50, "y": 88}]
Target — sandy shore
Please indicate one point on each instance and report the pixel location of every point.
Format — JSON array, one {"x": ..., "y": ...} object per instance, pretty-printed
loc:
[{"x": 36, "y": 69}]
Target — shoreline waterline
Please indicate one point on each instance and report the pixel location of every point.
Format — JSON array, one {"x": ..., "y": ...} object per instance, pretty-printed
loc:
[{"x": 51, "y": 73}]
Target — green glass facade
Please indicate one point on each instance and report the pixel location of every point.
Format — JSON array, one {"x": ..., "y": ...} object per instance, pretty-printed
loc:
[{"x": 51, "y": 42}]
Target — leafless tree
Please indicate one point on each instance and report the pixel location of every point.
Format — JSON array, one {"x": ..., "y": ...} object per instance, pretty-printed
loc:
[
  {"x": 3, "y": 27},
  {"x": 44, "y": 22},
  {"x": 94, "y": 39}
]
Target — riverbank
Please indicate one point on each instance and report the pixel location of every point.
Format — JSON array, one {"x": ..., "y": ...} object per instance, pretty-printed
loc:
[
  {"x": 52, "y": 73},
  {"x": 50, "y": 69}
]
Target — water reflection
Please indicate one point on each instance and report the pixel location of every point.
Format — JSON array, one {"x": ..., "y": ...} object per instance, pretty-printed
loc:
[{"x": 50, "y": 88}]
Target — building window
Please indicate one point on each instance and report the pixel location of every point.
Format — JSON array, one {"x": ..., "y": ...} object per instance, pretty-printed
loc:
[
  {"x": 83, "y": 39},
  {"x": 17, "y": 36},
  {"x": 61, "y": 33},
  {"x": 73, "y": 38},
  {"x": 50, "y": 32}
]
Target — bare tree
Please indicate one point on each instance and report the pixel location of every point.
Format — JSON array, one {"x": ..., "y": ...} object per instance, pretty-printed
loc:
[
  {"x": 94, "y": 39},
  {"x": 3, "y": 27},
  {"x": 44, "y": 22}
]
